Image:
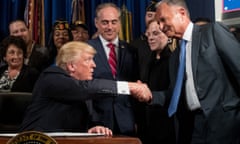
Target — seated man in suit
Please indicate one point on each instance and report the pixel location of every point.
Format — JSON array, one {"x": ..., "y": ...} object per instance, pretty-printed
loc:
[{"x": 59, "y": 95}]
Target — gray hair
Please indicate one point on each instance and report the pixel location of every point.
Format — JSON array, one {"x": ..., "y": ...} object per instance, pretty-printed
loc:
[
  {"x": 181, "y": 3},
  {"x": 105, "y": 5}
]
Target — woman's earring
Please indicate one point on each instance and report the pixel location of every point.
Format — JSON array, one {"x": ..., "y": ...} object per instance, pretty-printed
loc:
[{"x": 170, "y": 40}]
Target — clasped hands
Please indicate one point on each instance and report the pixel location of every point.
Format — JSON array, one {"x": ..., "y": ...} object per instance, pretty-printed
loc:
[{"x": 140, "y": 91}]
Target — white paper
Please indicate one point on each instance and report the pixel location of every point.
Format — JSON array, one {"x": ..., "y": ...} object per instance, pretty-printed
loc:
[{"x": 58, "y": 134}]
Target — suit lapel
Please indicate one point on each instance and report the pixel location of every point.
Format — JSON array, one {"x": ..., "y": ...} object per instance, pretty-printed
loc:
[
  {"x": 101, "y": 53},
  {"x": 196, "y": 36},
  {"x": 121, "y": 55}
]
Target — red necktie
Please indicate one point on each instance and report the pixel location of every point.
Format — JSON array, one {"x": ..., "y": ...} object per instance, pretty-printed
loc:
[{"x": 112, "y": 60}]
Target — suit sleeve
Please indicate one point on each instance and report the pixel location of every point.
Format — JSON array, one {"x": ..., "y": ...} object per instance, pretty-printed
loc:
[
  {"x": 160, "y": 98},
  {"x": 229, "y": 51},
  {"x": 65, "y": 88}
]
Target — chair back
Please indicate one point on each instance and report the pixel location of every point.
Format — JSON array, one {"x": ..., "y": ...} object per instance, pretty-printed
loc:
[{"x": 12, "y": 109}]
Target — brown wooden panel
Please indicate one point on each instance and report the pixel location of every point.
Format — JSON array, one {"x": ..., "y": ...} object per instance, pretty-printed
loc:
[{"x": 90, "y": 140}]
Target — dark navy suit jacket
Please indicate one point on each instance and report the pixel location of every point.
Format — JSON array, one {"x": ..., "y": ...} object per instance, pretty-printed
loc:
[
  {"x": 216, "y": 76},
  {"x": 58, "y": 102},
  {"x": 117, "y": 111}
]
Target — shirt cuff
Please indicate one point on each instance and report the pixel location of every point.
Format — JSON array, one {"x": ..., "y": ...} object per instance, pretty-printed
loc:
[{"x": 122, "y": 88}]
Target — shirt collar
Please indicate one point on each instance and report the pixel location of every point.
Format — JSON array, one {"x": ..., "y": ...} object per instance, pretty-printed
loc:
[
  {"x": 188, "y": 33},
  {"x": 105, "y": 42}
]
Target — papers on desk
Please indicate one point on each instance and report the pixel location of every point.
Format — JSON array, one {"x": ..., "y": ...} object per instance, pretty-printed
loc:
[
  {"x": 58, "y": 134},
  {"x": 69, "y": 134}
]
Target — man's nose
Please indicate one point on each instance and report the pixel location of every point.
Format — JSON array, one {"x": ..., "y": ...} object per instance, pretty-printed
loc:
[
  {"x": 110, "y": 25},
  {"x": 161, "y": 25},
  {"x": 93, "y": 64}
]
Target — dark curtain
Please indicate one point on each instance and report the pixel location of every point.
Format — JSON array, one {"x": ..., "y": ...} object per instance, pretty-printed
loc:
[
  {"x": 10, "y": 10},
  {"x": 61, "y": 9},
  {"x": 55, "y": 10},
  {"x": 137, "y": 9},
  {"x": 201, "y": 8}
]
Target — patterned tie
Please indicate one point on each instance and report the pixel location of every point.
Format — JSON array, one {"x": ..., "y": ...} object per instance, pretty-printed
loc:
[
  {"x": 178, "y": 86},
  {"x": 112, "y": 60}
]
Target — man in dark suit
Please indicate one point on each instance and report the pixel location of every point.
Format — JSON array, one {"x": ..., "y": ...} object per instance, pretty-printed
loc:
[
  {"x": 59, "y": 96},
  {"x": 209, "y": 112},
  {"x": 115, "y": 113}
]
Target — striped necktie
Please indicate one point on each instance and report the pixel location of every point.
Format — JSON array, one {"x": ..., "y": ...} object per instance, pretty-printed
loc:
[{"x": 112, "y": 60}]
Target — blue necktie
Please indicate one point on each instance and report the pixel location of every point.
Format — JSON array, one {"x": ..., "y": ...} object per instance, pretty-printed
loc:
[{"x": 178, "y": 86}]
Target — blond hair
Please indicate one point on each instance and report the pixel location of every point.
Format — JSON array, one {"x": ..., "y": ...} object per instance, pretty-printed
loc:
[{"x": 71, "y": 51}]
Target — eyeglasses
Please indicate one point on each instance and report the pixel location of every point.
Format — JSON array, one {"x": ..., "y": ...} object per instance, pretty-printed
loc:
[{"x": 154, "y": 33}]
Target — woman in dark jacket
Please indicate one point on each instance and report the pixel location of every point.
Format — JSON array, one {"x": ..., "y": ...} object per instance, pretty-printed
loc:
[{"x": 15, "y": 75}]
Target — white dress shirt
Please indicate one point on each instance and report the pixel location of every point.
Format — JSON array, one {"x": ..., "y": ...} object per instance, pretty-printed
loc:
[
  {"x": 191, "y": 94},
  {"x": 122, "y": 86}
]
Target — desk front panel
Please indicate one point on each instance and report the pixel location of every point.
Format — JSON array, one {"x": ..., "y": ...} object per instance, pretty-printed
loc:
[{"x": 90, "y": 140}]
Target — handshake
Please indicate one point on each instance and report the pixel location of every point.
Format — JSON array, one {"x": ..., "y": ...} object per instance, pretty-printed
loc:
[{"x": 140, "y": 91}]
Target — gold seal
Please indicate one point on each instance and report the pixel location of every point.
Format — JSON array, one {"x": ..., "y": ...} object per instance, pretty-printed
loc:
[{"x": 30, "y": 137}]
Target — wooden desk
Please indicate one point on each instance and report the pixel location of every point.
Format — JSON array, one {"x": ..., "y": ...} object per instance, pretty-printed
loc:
[{"x": 90, "y": 140}]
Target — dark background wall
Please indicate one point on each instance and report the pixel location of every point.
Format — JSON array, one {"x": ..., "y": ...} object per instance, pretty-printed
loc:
[{"x": 56, "y": 9}]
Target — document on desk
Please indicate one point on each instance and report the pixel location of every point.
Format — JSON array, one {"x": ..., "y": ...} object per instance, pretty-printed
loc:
[
  {"x": 58, "y": 134},
  {"x": 69, "y": 134}
]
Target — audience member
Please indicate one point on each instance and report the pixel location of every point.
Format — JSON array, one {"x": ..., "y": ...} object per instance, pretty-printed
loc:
[
  {"x": 154, "y": 125},
  {"x": 36, "y": 56},
  {"x": 115, "y": 61},
  {"x": 141, "y": 45},
  {"x": 151, "y": 71},
  {"x": 59, "y": 35},
  {"x": 59, "y": 96},
  {"x": 15, "y": 76},
  {"x": 79, "y": 31},
  {"x": 208, "y": 107}
]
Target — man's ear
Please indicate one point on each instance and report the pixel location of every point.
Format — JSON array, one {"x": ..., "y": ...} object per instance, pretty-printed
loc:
[
  {"x": 96, "y": 22},
  {"x": 70, "y": 67}
]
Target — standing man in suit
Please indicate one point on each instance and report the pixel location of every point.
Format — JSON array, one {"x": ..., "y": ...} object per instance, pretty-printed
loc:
[
  {"x": 115, "y": 113},
  {"x": 209, "y": 113}
]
